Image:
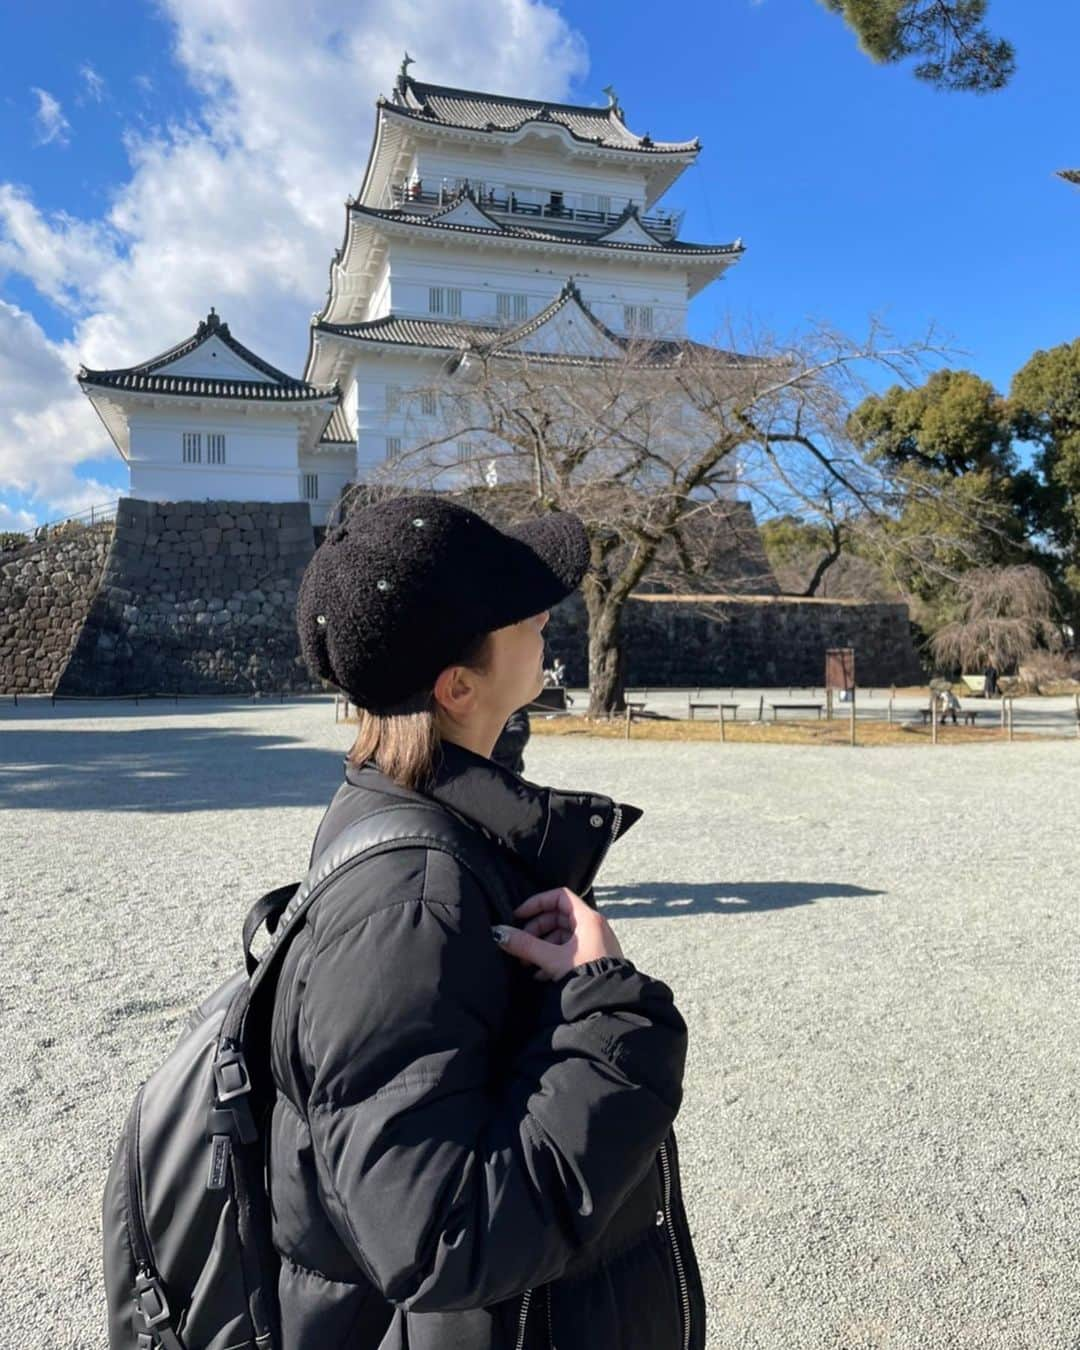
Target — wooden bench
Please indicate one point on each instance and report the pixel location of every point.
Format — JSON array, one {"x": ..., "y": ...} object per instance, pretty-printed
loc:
[
  {"x": 969, "y": 715},
  {"x": 819, "y": 708},
  {"x": 697, "y": 705}
]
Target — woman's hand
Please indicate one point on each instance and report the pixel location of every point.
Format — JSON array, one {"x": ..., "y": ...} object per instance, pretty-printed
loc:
[{"x": 560, "y": 932}]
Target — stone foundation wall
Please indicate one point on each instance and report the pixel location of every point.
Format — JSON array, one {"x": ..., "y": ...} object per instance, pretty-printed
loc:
[
  {"x": 196, "y": 597},
  {"x": 751, "y": 640},
  {"x": 200, "y": 597},
  {"x": 46, "y": 593}
]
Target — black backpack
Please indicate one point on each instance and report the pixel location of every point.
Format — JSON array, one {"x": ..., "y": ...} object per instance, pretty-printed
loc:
[{"x": 188, "y": 1259}]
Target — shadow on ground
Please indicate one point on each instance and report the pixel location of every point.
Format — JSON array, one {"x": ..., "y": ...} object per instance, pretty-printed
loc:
[
  {"x": 195, "y": 768},
  {"x": 659, "y": 899}
]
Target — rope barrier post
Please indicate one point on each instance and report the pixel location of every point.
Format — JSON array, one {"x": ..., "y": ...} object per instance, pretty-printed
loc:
[
  {"x": 723, "y": 736},
  {"x": 626, "y": 734},
  {"x": 933, "y": 718},
  {"x": 852, "y": 716},
  {"x": 761, "y": 708},
  {"x": 890, "y": 712},
  {"x": 1010, "y": 719}
]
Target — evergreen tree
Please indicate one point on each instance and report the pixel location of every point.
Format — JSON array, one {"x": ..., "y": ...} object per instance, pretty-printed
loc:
[{"x": 954, "y": 48}]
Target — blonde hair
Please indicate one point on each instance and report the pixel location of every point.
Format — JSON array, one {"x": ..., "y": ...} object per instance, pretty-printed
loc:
[{"x": 404, "y": 742}]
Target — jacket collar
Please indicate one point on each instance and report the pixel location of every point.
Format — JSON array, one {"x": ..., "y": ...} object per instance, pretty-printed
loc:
[{"x": 559, "y": 837}]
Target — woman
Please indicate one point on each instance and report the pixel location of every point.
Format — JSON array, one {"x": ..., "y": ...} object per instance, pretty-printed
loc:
[{"x": 471, "y": 1145}]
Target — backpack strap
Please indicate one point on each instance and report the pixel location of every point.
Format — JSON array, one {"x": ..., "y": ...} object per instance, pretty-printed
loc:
[
  {"x": 267, "y": 910},
  {"x": 230, "y": 1120}
]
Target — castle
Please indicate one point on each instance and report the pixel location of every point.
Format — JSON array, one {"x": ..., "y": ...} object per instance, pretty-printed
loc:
[{"x": 482, "y": 220}]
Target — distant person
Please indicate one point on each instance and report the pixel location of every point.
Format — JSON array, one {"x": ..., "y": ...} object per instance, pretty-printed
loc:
[
  {"x": 509, "y": 749},
  {"x": 990, "y": 680},
  {"x": 947, "y": 704},
  {"x": 558, "y": 673}
]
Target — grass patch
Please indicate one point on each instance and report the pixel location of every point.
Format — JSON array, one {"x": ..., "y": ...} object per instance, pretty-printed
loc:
[{"x": 791, "y": 732}]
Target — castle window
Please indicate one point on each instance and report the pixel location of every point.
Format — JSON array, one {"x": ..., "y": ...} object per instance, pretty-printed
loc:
[
  {"x": 310, "y": 487},
  {"x": 638, "y": 318},
  {"x": 467, "y": 451},
  {"x": 511, "y": 307},
  {"x": 445, "y": 300},
  {"x": 215, "y": 448},
  {"x": 393, "y": 447},
  {"x": 192, "y": 443},
  {"x": 429, "y": 405}
]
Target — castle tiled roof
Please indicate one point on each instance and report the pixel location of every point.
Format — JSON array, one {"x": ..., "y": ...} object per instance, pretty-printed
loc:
[
  {"x": 442, "y": 335},
  {"x": 147, "y": 377},
  {"x": 473, "y": 111},
  {"x": 574, "y": 238},
  {"x": 338, "y": 431}
]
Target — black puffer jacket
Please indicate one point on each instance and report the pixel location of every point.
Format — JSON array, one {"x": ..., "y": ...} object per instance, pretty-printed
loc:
[{"x": 463, "y": 1156}]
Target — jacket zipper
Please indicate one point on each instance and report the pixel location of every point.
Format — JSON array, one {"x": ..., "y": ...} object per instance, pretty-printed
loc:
[
  {"x": 526, "y": 1299},
  {"x": 684, "y": 1292}
]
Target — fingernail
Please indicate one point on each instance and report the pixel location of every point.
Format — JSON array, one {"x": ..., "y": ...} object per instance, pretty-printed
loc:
[{"x": 500, "y": 934}]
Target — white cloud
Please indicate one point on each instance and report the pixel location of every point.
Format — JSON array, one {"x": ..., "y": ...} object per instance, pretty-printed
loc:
[
  {"x": 23, "y": 521},
  {"x": 52, "y": 125},
  {"x": 92, "y": 81},
  {"x": 244, "y": 209},
  {"x": 48, "y": 424}
]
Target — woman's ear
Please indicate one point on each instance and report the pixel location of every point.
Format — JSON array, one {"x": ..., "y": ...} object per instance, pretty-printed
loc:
[{"x": 455, "y": 692}]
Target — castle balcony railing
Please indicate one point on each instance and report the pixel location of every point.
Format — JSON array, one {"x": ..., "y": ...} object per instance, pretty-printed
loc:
[{"x": 413, "y": 196}]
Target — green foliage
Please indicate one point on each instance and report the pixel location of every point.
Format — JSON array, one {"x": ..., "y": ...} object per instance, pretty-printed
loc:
[
  {"x": 954, "y": 48},
  {"x": 788, "y": 539},
  {"x": 1045, "y": 402},
  {"x": 960, "y": 501},
  {"x": 955, "y": 423}
]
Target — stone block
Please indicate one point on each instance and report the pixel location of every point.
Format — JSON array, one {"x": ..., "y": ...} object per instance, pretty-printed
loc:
[
  {"x": 224, "y": 521},
  {"x": 295, "y": 534},
  {"x": 245, "y": 522},
  {"x": 211, "y": 535}
]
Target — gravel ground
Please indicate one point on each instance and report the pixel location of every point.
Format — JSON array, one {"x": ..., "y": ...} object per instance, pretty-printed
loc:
[{"x": 876, "y": 951}]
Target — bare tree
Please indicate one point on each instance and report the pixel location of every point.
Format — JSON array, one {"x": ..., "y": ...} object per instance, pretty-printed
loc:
[
  {"x": 1008, "y": 615},
  {"x": 657, "y": 445}
]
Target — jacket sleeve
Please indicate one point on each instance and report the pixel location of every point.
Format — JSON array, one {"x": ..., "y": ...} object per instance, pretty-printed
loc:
[{"x": 458, "y": 1173}]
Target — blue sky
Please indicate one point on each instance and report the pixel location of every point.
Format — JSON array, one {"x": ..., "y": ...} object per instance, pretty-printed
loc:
[{"x": 186, "y": 154}]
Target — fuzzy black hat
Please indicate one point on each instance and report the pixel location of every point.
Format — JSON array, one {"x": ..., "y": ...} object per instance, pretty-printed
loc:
[{"x": 400, "y": 590}]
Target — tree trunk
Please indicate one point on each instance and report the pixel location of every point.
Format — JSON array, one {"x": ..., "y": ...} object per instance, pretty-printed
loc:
[{"x": 606, "y": 679}]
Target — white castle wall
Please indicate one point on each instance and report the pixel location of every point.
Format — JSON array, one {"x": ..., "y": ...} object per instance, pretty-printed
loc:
[
  {"x": 482, "y": 268},
  {"x": 261, "y": 459}
]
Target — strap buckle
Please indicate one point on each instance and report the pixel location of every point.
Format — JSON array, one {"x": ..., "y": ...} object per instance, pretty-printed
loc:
[
  {"x": 153, "y": 1305},
  {"x": 231, "y": 1077}
]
